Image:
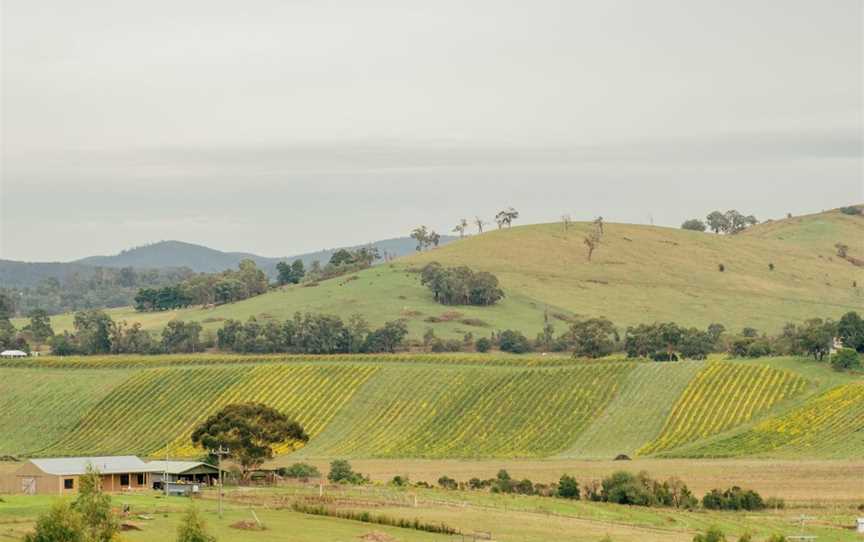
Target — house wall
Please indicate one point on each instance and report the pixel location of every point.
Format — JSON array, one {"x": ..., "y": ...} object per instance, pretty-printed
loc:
[{"x": 49, "y": 484}]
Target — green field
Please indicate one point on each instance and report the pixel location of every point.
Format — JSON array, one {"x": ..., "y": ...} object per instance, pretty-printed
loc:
[
  {"x": 639, "y": 274},
  {"x": 508, "y": 518},
  {"x": 428, "y": 406}
]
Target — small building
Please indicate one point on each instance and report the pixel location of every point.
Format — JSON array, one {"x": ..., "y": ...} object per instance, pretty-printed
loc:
[
  {"x": 181, "y": 477},
  {"x": 13, "y": 354},
  {"x": 60, "y": 476},
  {"x": 860, "y": 525}
]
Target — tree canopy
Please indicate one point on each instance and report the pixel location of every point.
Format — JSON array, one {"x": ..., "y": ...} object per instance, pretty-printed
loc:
[{"x": 249, "y": 431}]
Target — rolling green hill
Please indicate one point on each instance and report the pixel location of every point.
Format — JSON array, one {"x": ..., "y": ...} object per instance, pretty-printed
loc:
[
  {"x": 425, "y": 406},
  {"x": 638, "y": 274}
]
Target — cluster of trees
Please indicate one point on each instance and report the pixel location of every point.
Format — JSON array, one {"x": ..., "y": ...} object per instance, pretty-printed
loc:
[
  {"x": 736, "y": 498},
  {"x": 730, "y": 222},
  {"x": 99, "y": 287},
  {"x": 206, "y": 289},
  {"x": 461, "y": 285},
  {"x": 291, "y": 273},
  {"x": 342, "y": 262},
  {"x": 95, "y": 333},
  {"x": 311, "y": 334},
  {"x": 715, "y": 534}
]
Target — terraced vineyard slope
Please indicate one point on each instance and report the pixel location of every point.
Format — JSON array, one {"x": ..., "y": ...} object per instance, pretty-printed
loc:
[
  {"x": 721, "y": 397},
  {"x": 427, "y": 406}
]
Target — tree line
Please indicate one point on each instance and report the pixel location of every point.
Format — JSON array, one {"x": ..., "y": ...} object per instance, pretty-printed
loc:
[{"x": 311, "y": 334}]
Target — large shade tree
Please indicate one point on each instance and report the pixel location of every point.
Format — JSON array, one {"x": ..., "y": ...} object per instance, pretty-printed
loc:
[{"x": 249, "y": 431}]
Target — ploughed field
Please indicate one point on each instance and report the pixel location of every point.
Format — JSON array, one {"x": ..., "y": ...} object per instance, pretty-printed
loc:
[{"x": 439, "y": 406}]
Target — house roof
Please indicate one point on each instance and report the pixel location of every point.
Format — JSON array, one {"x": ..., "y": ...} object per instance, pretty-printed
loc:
[
  {"x": 175, "y": 467},
  {"x": 78, "y": 465}
]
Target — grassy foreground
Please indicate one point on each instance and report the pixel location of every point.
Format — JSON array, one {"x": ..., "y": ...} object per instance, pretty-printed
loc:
[{"x": 506, "y": 517}]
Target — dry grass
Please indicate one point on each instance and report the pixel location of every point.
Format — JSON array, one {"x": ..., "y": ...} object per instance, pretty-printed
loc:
[{"x": 796, "y": 481}]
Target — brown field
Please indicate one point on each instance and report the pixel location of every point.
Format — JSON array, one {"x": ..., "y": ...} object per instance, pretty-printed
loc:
[{"x": 810, "y": 481}]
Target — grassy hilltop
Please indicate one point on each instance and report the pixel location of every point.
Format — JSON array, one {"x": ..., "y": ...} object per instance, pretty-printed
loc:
[{"x": 639, "y": 274}]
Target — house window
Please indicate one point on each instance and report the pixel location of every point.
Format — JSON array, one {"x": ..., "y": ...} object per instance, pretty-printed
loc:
[
  {"x": 68, "y": 483},
  {"x": 140, "y": 478},
  {"x": 124, "y": 479}
]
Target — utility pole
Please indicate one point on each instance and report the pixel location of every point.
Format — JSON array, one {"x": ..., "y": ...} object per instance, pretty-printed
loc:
[{"x": 219, "y": 452}]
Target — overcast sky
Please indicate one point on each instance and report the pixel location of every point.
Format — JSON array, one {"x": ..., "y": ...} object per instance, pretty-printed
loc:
[{"x": 285, "y": 126}]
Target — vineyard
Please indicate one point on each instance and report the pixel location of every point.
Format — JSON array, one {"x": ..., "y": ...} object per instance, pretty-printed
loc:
[
  {"x": 427, "y": 406},
  {"x": 720, "y": 397},
  {"x": 828, "y": 425}
]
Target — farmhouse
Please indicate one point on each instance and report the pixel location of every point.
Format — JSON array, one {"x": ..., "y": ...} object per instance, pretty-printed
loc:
[{"x": 60, "y": 476}]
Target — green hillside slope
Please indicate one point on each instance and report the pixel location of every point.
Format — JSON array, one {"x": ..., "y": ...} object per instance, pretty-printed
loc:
[
  {"x": 422, "y": 406},
  {"x": 638, "y": 274}
]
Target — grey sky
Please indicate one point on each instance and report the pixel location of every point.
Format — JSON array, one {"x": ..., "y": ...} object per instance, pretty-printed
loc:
[{"x": 283, "y": 126}]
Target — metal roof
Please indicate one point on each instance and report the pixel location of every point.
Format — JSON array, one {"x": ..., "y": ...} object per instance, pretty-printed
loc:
[
  {"x": 78, "y": 465},
  {"x": 175, "y": 467}
]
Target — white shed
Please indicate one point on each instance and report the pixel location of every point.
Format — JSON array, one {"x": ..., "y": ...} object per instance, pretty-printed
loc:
[
  {"x": 861, "y": 525},
  {"x": 13, "y": 354}
]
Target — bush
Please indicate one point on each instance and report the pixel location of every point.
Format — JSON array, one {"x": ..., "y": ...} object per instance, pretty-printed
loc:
[
  {"x": 775, "y": 503},
  {"x": 400, "y": 481},
  {"x": 733, "y": 498},
  {"x": 60, "y": 524},
  {"x": 851, "y": 210},
  {"x": 341, "y": 473},
  {"x": 192, "y": 528},
  {"x": 777, "y": 538},
  {"x": 460, "y": 285},
  {"x": 300, "y": 470},
  {"x": 450, "y": 345},
  {"x": 694, "y": 224},
  {"x": 447, "y": 483},
  {"x": 483, "y": 344},
  {"x": 568, "y": 488},
  {"x": 713, "y": 534},
  {"x": 514, "y": 341},
  {"x": 845, "y": 359}
]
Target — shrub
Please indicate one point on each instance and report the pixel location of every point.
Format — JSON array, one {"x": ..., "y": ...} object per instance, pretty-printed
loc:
[
  {"x": 60, "y": 524},
  {"x": 626, "y": 488},
  {"x": 733, "y": 498},
  {"x": 852, "y": 210},
  {"x": 713, "y": 534},
  {"x": 447, "y": 483},
  {"x": 514, "y": 341},
  {"x": 483, "y": 344},
  {"x": 400, "y": 481},
  {"x": 300, "y": 470},
  {"x": 694, "y": 224},
  {"x": 341, "y": 473},
  {"x": 450, "y": 345},
  {"x": 777, "y": 538},
  {"x": 721, "y": 267},
  {"x": 845, "y": 359},
  {"x": 192, "y": 528},
  {"x": 568, "y": 488}
]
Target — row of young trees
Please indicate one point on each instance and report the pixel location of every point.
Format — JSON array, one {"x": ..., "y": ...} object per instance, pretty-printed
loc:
[{"x": 311, "y": 334}]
